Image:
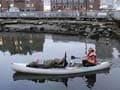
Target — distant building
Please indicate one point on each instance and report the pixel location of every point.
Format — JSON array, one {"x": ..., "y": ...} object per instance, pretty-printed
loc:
[
  {"x": 107, "y": 4},
  {"x": 81, "y": 5},
  {"x": 117, "y": 4},
  {"x": 22, "y": 5}
]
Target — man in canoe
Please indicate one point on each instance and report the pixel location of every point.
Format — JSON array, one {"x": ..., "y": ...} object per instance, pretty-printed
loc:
[{"x": 90, "y": 59}]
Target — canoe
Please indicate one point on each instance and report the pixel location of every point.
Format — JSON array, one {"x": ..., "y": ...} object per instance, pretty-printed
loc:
[{"x": 21, "y": 67}]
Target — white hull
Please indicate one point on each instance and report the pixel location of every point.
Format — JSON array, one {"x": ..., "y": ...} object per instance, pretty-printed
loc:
[{"x": 19, "y": 67}]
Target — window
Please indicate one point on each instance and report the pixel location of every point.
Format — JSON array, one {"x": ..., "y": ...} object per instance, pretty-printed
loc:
[
  {"x": 91, "y": 1},
  {"x": 27, "y": 5},
  {"x": 27, "y": 0},
  {"x": 54, "y": 7},
  {"x": 52, "y": 0},
  {"x": 70, "y": 1},
  {"x": 9, "y": 0},
  {"x": 91, "y": 6},
  {"x": 59, "y": 1},
  {"x": 75, "y": 1},
  {"x": 65, "y": 6},
  {"x": 81, "y": 1},
  {"x": 65, "y": 1}
]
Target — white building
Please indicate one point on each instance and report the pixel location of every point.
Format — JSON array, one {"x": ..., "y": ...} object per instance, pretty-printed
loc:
[
  {"x": 110, "y": 4},
  {"x": 107, "y": 4},
  {"x": 117, "y": 4},
  {"x": 47, "y": 5}
]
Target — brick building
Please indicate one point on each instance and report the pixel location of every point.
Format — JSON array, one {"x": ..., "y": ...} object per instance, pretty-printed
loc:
[
  {"x": 81, "y": 5},
  {"x": 22, "y": 5}
]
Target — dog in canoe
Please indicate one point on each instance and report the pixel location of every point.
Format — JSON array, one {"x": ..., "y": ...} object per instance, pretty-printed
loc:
[{"x": 52, "y": 63}]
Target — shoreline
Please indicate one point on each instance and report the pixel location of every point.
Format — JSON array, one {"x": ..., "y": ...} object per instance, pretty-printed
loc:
[{"x": 66, "y": 27}]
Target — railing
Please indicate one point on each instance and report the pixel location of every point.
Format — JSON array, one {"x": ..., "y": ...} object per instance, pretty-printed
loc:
[{"x": 62, "y": 14}]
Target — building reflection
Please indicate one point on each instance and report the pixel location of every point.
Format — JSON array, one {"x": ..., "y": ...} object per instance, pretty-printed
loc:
[
  {"x": 104, "y": 49},
  {"x": 104, "y": 46},
  {"x": 64, "y": 38},
  {"x": 21, "y": 43},
  {"x": 116, "y": 44}
]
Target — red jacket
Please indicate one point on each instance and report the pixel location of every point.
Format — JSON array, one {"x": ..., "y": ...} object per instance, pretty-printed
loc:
[{"x": 91, "y": 57}]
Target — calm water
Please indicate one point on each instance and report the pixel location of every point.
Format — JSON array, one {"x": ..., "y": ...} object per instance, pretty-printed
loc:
[{"x": 24, "y": 48}]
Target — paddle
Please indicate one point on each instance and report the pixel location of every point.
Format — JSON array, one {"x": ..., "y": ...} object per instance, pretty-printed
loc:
[{"x": 73, "y": 57}]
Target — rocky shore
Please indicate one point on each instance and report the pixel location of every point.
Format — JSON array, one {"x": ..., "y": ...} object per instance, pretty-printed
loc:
[{"x": 93, "y": 29}]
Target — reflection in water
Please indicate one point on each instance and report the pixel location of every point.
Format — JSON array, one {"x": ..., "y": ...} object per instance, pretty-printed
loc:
[
  {"x": 39, "y": 78},
  {"x": 103, "y": 50},
  {"x": 43, "y": 47},
  {"x": 64, "y": 38},
  {"x": 90, "y": 80},
  {"x": 21, "y": 43},
  {"x": 90, "y": 77}
]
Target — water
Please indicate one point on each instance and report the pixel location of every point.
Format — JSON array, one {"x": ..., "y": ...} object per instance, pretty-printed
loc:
[{"x": 24, "y": 48}]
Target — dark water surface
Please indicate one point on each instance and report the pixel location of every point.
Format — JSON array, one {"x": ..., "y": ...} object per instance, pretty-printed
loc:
[{"x": 24, "y": 48}]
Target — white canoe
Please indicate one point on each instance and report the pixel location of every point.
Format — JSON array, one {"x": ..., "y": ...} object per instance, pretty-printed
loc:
[{"x": 21, "y": 67}]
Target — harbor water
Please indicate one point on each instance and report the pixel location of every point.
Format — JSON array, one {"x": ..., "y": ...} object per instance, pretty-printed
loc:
[{"x": 27, "y": 47}]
